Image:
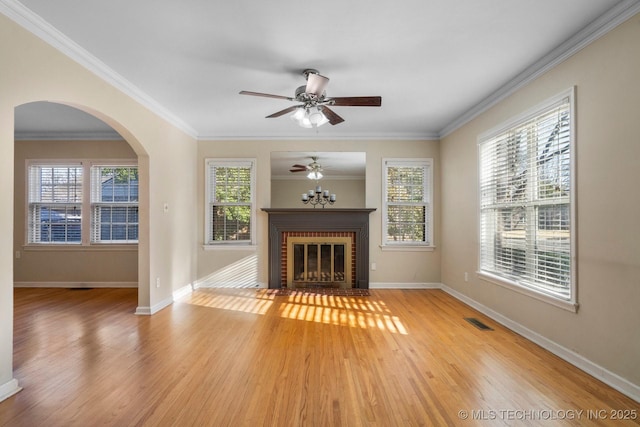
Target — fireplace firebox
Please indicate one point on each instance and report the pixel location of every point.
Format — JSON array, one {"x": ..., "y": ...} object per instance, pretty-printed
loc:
[{"x": 320, "y": 259}]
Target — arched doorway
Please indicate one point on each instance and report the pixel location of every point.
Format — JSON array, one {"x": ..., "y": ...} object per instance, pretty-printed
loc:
[{"x": 84, "y": 242}]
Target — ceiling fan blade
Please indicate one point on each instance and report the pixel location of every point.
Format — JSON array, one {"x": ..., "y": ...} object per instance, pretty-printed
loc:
[
  {"x": 298, "y": 170},
  {"x": 299, "y": 166},
  {"x": 334, "y": 119},
  {"x": 316, "y": 84},
  {"x": 266, "y": 95},
  {"x": 283, "y": 112},
  {"x": 356, "y": 101}
]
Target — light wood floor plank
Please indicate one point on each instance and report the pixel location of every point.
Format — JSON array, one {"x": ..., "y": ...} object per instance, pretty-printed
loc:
[{"x": 241, "y": 357}]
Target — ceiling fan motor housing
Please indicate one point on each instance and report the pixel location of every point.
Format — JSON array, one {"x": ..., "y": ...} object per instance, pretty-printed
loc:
[{"x": 300, "y": 93}]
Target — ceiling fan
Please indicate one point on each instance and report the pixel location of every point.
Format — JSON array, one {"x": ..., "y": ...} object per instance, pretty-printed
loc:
[
  {"x": 313, "y": 110},
  {"x": 314, "y": 168}
]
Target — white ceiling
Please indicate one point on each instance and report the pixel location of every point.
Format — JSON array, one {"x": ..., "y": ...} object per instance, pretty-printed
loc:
[{"x": 434, "y": 62}]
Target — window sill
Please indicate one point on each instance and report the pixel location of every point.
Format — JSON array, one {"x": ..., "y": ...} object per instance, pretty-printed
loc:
[
  {"x": 407, "y": 248},
  {"x": 549, "y": 299},
  {"x": 230, "y": 247},
  {"x": 80, "y": 248}
]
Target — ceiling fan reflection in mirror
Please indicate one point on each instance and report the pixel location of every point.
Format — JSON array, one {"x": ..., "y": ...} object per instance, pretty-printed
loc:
[
  {"x": 313, "y": 110},
  {"x": 314, "y": 168}
]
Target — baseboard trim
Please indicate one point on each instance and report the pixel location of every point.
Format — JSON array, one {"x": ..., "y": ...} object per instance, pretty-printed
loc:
[
  {"x": 398, "y": 285},
  {"x": 229, "y": 285},
  {"x": 143, "y": 311},
  {"x": 75, "y": 284},
  {"x": 623, "y": 385},
  {"x": 182, "y": 292},
  {"x": 8, "y": 389}
]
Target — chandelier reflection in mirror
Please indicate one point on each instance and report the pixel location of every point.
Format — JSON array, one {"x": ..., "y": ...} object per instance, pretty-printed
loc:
[{"x": 318, "y": 197}]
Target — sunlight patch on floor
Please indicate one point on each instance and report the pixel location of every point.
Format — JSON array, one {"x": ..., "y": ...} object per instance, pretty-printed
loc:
[
  {"x": 356, "y": 312},
  {"x": 237, "y": 300}
]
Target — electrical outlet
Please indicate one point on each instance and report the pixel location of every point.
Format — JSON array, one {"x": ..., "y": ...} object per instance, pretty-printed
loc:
[
  {"x": 373, "y": 266},
  {"x": 466, "y": 276},
  {"x": 157, "y": 282},
  {"x": 18, "y": 254}
]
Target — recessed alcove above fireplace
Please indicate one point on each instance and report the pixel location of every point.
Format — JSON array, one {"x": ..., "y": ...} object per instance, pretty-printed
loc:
[{"x": 323, "y": 227}]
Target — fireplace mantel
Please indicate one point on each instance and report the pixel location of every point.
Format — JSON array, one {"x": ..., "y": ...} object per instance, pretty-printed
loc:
[
  {"x": 355, "y": 220},
  {"x": 313, "y": 211}
]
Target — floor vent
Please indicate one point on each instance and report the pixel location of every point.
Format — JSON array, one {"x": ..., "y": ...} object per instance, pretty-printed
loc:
[{"x": 478, "y": 324}]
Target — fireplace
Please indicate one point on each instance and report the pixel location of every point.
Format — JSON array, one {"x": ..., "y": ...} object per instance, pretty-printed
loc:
[
  {"x": 318, "y": 247},
  {"x": 324, "y": 259}
]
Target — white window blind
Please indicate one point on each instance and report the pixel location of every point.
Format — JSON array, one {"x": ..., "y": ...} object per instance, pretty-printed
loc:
[
  {"x": 114, "y": 204},
  {"x": 55, "y": 203},
  {"x": 407, "y": 202},
  {"x": 230, "y": 201},
  {"x": 525, "y": 201}
]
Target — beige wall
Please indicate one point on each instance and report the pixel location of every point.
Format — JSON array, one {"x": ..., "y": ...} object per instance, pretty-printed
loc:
[
  {"x": 34, "y": 71},
  {"x": 287, "y": 193},
  {"x": 72, "y": 266},
  {"x": 606, "y": 329},
  {"x": 403, "y": 269}
]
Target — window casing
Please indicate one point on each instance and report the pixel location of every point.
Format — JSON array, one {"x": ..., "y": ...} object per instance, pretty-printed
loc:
[
  {"x": 230, "y": 215},
  {"x": 407, "y": 202},
  {"x": 79, "y": 203},
  {"x": 527, "y": 217}
]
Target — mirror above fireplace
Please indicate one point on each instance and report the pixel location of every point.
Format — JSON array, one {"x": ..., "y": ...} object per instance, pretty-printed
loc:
[{"x": 341, "y": 172}]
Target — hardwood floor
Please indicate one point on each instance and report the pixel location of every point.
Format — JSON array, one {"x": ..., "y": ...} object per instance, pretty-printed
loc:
[{"x": 244, "y": 357}]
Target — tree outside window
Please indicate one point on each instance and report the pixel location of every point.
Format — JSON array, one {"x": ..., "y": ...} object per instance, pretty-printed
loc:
[
  {"x": 525, "y": 201},
  {"x": 407, "y": 202},
  {"x": 230, "y": 201}
]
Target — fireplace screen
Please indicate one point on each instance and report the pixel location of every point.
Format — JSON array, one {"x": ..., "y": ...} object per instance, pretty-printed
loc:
[{"x": 326, "y": 263}]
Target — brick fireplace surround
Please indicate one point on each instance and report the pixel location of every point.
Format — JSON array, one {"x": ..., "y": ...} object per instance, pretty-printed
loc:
[{"x": 318, "y": 222}]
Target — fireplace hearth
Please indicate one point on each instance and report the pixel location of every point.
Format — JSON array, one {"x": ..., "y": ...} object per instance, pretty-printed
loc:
[{"x": 317, "y": 231}]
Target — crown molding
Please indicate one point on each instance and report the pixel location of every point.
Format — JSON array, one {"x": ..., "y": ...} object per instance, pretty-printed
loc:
[
  {"x": 33, "y": 23},
  {"x": 596, "y": 29},
  {"x": 68, "y": 136},
  {"x": 427, "y": 136}
]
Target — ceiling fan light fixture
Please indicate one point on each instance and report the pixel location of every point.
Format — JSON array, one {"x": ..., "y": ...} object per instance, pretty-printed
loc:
[
  {"x": 305, "y": 122},
  {"x": 316, "y": 117},
  {"x": 298, "y": 115},
  {"x": 309, "y": 117},
  {"x": 303, "y": 117}
]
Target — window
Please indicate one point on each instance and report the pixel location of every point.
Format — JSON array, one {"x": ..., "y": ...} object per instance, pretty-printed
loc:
[
  {"x": 55, "y": 204},
  {"x": 526, "y": 187},
  {"x": 408, "y": 209},
  {"x": 114, "y": 204},
  {"x": 58, "y": 197},
  {"x": 230, "y": 199}
]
